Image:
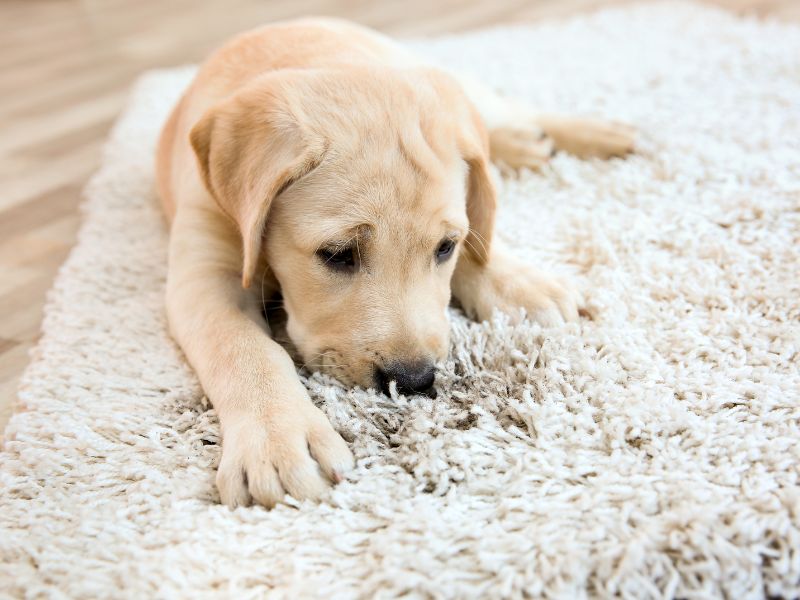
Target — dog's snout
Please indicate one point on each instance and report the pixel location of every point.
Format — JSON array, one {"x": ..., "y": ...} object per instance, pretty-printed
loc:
[{"x": 414, "y": 377}]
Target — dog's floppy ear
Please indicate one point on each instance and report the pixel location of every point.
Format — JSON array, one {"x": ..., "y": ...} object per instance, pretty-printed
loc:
[
  {"x": 249, "y": 148},
  {"x": 481, "y": 193}
]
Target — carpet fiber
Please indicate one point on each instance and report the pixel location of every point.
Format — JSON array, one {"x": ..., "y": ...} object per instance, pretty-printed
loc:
[{"x": 652, "y": 450}]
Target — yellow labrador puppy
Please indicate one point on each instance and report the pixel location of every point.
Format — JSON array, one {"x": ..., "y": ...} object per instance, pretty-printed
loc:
[{"x": 318, "y": 159}]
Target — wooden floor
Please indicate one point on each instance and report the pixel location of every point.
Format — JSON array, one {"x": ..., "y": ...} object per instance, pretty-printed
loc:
[{"x": 65, "y": 68}]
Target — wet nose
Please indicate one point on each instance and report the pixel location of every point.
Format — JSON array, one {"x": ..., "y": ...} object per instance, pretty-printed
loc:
[{"x": 415, "y": 377}]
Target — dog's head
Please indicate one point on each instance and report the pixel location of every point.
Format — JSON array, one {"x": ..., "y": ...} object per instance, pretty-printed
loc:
[{"x": 362, "y": 189}]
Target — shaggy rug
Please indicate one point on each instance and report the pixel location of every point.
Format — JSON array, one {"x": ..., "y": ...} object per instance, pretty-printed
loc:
[{"x": 650, "y": 451}]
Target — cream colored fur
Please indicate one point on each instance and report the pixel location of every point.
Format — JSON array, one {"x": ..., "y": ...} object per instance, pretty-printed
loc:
[{"x": 320, "y": 134}]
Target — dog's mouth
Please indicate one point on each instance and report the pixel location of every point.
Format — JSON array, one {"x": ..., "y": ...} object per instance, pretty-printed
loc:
[
  {"x": 327, "y": 360},
  {"x": 409, "y": 378}
]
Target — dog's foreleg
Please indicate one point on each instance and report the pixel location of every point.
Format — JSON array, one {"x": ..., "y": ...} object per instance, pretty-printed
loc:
[
  {"x": 508, "y": 284},
  {"x": 274, "y": 439}
]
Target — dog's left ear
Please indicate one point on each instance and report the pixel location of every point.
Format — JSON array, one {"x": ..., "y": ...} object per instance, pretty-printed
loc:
[
  {"x": 481, "y": 193},
  {"x": 249, "y": 149}
]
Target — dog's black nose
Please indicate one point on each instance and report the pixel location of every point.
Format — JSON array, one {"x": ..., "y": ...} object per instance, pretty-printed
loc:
[{"x": 415, "y": 377}]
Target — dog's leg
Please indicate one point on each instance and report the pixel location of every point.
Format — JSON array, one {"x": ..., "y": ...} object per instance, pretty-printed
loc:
[
  {"x": 274, "y": 439},
  {"x": 588, "y": 137},
  {"x": 521, "y": 137},
  {"x": 509, "y": 284}
]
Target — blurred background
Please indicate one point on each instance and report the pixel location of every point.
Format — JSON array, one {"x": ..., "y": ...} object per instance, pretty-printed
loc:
[{"x": 65, "y": 69}]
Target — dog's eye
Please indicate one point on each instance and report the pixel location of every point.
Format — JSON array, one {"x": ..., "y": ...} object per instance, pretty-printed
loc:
[
  {"x": 338, "y": 259},
  {"x": 445, "y": 250}
]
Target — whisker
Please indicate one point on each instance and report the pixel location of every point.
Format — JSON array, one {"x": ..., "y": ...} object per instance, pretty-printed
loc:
[
  {"x": 468, "y": 243},
  {"x": 310, "y": 360},
  {"x": 322, "y": 355},
  {"x": 317, "y": 356},
  {"x": 481, "y": 240},
  {"x": 343, "y": 244}
]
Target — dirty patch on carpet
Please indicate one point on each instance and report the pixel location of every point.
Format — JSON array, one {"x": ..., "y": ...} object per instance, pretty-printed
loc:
[{"x": 650, "y": 451}]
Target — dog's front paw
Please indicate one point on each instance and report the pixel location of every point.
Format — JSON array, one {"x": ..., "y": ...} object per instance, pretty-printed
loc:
[
  {"x": 559, "y": 304},
  {"x": 546, "y": 299},
  {"x": 508, "y": 284},
  {"x": 293, "y": 451}
]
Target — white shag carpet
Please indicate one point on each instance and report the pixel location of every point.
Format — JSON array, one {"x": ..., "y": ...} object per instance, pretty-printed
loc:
[{"x": 652, "y": 451}]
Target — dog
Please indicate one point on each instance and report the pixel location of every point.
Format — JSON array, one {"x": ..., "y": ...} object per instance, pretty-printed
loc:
[{"x": 320, "y": 160}]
